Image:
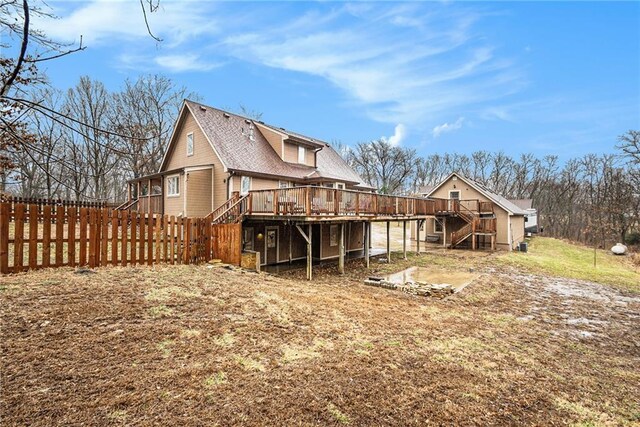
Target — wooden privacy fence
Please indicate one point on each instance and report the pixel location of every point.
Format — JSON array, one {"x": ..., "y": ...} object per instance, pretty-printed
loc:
[{"x": 36, "y": 236}]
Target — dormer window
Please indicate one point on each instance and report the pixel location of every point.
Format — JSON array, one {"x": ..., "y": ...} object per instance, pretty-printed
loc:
[
  {"x": 190, "y": 144},
  {"x": 302, "y": 154}
]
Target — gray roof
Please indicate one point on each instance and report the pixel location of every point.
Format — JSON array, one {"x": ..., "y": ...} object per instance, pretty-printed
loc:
[
  {"x": 523, "y": 203},
  {"x": 490, "y": 194},
  {"x": 425, "y": 189},
  {"x": 228, "y": 133}
]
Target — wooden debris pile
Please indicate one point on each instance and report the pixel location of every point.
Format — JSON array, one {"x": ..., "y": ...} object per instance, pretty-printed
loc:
[{"x": 436, "y": 290}]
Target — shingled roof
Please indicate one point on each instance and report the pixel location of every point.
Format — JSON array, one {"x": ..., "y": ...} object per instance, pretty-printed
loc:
[
  {"x": 229, "y": 135},
  {"x": 490, "y": 194}
]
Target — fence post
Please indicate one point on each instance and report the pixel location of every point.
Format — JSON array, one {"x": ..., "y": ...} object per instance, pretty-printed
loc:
[{"x": 4, "y": 238}]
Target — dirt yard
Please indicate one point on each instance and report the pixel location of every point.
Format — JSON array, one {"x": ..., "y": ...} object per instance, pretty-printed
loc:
[{"x": 208, "y": 346}]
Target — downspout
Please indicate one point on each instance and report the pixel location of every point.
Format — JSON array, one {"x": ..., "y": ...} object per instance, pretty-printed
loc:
[{"x": 315, "y": 156}]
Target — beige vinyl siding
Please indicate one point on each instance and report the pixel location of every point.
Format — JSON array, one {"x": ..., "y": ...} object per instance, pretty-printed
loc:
[
  {"x": 174, "y": 205},
  {"x": 311, "y": 157},
  {"x": 466, "y": 191},
  {"x": 199, "y": 193},
  {"x": 274, "y": 139},
  {"x": 517, "y": 229},
  {"x": 256, "y": 183},
  {"x": 291, "y": 154},
  {"x": 203, "y": 154}
]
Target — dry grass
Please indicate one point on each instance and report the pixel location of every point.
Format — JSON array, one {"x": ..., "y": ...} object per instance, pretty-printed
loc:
[{"x": 188, "y": 345}]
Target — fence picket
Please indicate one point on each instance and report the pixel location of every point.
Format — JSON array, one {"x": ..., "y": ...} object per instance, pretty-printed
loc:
[
  {"x": 105, "y": 238},
  {"x": 83, "y": 236},
  {"x": 134, "y": 230},
  {"x": 59, "y": 235},
  {"x": 87, "y": 233},
  {"x": 18, "y": 239},
  {"x": 46, "y": 236},
  {"x": 4, "y": 237},
  {"x": 124, "y": 223},
  {"x": 71, "y": 236},
  {"x": 115, "y": 216},
  {"x": 33, "y": 237},
  {"x": 141, "y": 239},
  {"x": 150, "y": 218}
]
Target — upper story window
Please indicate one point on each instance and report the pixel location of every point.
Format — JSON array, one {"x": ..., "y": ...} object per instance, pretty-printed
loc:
[
  {"x": 173, "y": 185},
  {"x": 340, "y": 185},
  {"x": 284, "y": 184},
  {"x": 302, "y": 154},
  {"x": 190, "y": 144},
  {"x": 245, "y": 185}
]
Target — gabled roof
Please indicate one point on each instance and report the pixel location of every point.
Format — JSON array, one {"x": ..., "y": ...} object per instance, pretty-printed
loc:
[
  {"x": 228, "y": 134},
  {"x": 489, "y": 194},
  {"x": 523, "y": 203},
  {"x": 425, "y": 189}
]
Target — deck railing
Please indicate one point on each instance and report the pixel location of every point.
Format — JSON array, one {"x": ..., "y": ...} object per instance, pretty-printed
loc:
[{"x": 319, "y": 201}]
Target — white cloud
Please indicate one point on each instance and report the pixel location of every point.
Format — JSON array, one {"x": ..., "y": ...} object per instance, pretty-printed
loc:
[
  {"x": 184, "y": 62},
  {"x": 396, "y": 70},
  {"x": 107, "y": 21},
  {"x": 447, "y": 127},
  {"x": 399, "y": 135}
]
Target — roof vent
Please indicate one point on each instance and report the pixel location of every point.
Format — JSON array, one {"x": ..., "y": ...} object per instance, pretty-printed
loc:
[
  {"x": 283, "y": 128},
  {"x": 226, "y": 115},
  {"x": 203, "y": 108},
  {"x": 247, "y": 121}
]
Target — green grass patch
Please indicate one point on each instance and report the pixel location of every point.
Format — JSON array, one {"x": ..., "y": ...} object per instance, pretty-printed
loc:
[{"x": 560, "y": 258}]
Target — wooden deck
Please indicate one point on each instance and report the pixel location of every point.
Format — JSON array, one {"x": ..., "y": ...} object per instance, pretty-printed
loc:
[{"x": 318, "y": 204}]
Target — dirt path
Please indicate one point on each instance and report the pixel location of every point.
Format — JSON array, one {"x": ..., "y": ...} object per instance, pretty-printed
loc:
[{"x": 197, "y": 346}]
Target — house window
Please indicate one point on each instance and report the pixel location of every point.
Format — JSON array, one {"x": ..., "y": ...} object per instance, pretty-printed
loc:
[
  {"x": 454, "y": 194},
  {"x": 173, "y": 186},
  {"x": 284, "y": 184},
  {"x": 339, "y": 185},
  {"x": 302, "y": 154},
  {"x": 437, "y": 226},
  {"x": 190, "y": 144},
  {"x": 245, "y": 185}
]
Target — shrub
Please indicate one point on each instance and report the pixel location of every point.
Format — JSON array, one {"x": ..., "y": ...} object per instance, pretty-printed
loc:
[{"x": 632, "y": 238}]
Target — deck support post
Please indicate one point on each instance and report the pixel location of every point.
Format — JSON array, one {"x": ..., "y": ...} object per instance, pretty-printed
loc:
[
  {"x": 341, "y": 249},
  {"x": 290, "y": 242},
  {"x": 473, "y": 241},
  {"x": 444, "y": 232},
  {"x": 418, "y": 223},
  {"x": 367, "y": 242},
  {"x": 307, "y": 237},
  {"x": 493, "y": 242},
  {"x": 388, "y": 242},
  {"x": 404, "y": 239}
]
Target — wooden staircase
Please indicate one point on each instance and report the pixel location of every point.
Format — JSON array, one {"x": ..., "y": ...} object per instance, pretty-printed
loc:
[{"x": 231, "y": 211}]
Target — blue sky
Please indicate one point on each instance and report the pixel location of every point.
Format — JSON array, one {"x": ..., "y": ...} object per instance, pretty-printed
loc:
[{"x": 544, "y": 77}]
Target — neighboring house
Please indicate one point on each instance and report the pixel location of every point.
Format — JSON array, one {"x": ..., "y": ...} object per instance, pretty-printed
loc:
[
  {"x": 286, "y": 189},
  {"x": 483, "y": 218},
  {"x": 531, "y": 217}
]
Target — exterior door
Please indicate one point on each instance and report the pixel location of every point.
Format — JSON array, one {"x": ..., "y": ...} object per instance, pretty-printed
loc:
[
  {"x": 454, "y": 200},
  {"x": 271, "y": 245}
]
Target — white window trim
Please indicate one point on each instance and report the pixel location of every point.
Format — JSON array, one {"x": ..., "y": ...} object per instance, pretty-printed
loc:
[
  {"x": 287, "y": 184},
  {"x": 174, "y": 194},
  {"x": 456, "y": 191},
  {"x": 190, "y": 134},
  {"x": 435, "y": 226},
  {"x": 302, "y": 150},
  {"x": 340, "y": 186},
  {"x": 242, "y": 178}
]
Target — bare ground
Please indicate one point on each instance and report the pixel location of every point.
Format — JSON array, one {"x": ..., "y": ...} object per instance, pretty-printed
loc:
[{"x": 196, "y": 346}]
